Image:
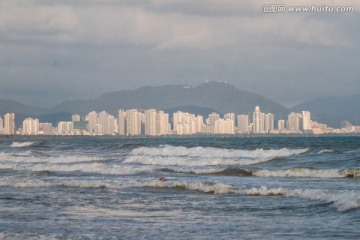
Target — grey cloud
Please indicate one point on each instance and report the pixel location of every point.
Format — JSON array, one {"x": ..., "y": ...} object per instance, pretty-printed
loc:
[{"x": 52, "y": 52}]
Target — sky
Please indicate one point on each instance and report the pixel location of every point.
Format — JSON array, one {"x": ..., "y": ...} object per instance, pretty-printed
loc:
[{"x": 55, "y": 51}]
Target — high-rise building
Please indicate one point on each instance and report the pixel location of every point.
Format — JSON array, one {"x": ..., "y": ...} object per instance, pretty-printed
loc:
[
  {"x": 121, "y": 125},
  {"x": 65, "y": 128},
  {"x": 30, "y": 126},
  {"x": 243, "y": 123},
  {"x": 281, "y": 126},
  {"x": 112, "y": 125},
  {"x": 151, "y": 122},
  {"x": 133, "y": 122},
  {"x": 230, "y": 116},
  {"x": 223, "y": 126},
  {"x": 294, "y": 122},
  {"x": 106, "y": 123},
  {"x": 269, "y": 122},
  {"x": 187, "y": 123},
  {"x": 92, "y": 118},
  {"x": 9, "y": 124},
  {"x": 306, "y": 121},
  {"x": 162, "y": 123},
  {"x": 199, "y": 122},
  {"x": 257, "y": 120},
  {"x": 212, "y": 118}
]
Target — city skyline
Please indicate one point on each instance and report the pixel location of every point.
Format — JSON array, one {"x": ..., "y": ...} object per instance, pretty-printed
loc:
[{"x": 153, "y": 122}]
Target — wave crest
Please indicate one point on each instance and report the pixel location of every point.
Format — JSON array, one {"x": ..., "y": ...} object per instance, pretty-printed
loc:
[
  {"x": 205, "y": 156},
  {"x": 21, "y": 144}
]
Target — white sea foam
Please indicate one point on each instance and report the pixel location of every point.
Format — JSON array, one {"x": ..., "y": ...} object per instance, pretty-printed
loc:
[
  {"x": 343, "y": 200},
  {"x": 325, "y": 151},
  {"x": 21, "y": 144},
  {"x": 263, "y": 191},
  {"x": 299, "y": 172},
  {"x": 205, "y": 187},
  {"x": 203, "y": 156}
]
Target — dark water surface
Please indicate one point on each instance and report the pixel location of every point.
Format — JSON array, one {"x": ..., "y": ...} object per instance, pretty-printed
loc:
[{"x": 216, "y": 188}]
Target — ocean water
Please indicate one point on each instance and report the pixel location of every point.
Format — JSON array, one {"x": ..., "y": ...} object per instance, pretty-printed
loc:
[{"x": 215, "y": 188}]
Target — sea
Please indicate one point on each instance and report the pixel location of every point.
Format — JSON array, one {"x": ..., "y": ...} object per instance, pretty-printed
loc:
[{"x": 198, "y": 187}]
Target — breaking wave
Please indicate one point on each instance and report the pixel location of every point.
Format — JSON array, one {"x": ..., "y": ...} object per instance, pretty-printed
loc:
[
  {"x": 292, "y": 172},
  {"x": 205, "y": 187},
  {"x": 343, "y": 200},
  {"x": 21, "y": 144},
  {"x": 205, "y": 156}
]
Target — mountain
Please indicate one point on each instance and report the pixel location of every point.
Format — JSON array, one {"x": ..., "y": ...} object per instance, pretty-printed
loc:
[
  {"x": 10, "y": 106},
  {"x": 23, "y": 111},
  {"x": 333, "y": 110},
  {"x": 217, "y": 96}
]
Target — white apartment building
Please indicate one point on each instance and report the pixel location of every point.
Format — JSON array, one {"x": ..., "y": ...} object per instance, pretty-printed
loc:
[
  {"x": 269, "y": 122},
  {"x": 30, "y": 126},
  {"x": 121, "y": 124},
  {"x": 306, "y": 121},
  {"x": 151, "y": 122},
  {"x": 65, "y": 128},
  {"x": 223, "y": 126},
  {"x": 9, "y": 124},
  {"x": 294, "y": 122},
  {"x": 281, "y": 126},
  {"x": 133, "y": 122},
  {"x": 243, "y": 123}
]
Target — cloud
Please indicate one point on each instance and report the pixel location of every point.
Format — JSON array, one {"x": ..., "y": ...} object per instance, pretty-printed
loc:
[
  {"x": 86, "y": 47},
  {"x": 164, "y": 24}
]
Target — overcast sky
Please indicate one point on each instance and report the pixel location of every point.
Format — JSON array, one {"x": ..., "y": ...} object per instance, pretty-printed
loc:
[{"x": 53, "y": 51}]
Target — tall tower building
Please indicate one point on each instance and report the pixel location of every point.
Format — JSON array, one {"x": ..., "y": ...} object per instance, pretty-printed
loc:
[
  {"x": 162, "y": 123},
  {"x": 30, "y": 126},
  {"x": 121, "y": 125},
  {"x": 9, "y": 126},
  {"x": 230, "y": 116},
  {"x": 65, "y": 128},
  {"x": 213, "y": 117},
  {"x": 110, "y": 125},
  {"x": 281, "y": 125},
  {"x": 306, "y": 121},
  {"x": 269, "y": 122},
  {"x": 151, "y": 123},
  {"x": 133, "y": 122},
  {"x": 294, "y": 122},
  {"x": 106, "y": 122},
  {"x": 257, "y": 120},
  {"x": 243, "y": 123},
  {"x": 92, "y": 121}
]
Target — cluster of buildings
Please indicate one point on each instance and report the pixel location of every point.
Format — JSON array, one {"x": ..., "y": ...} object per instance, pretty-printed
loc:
[{"x": 152, "y": 122}]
